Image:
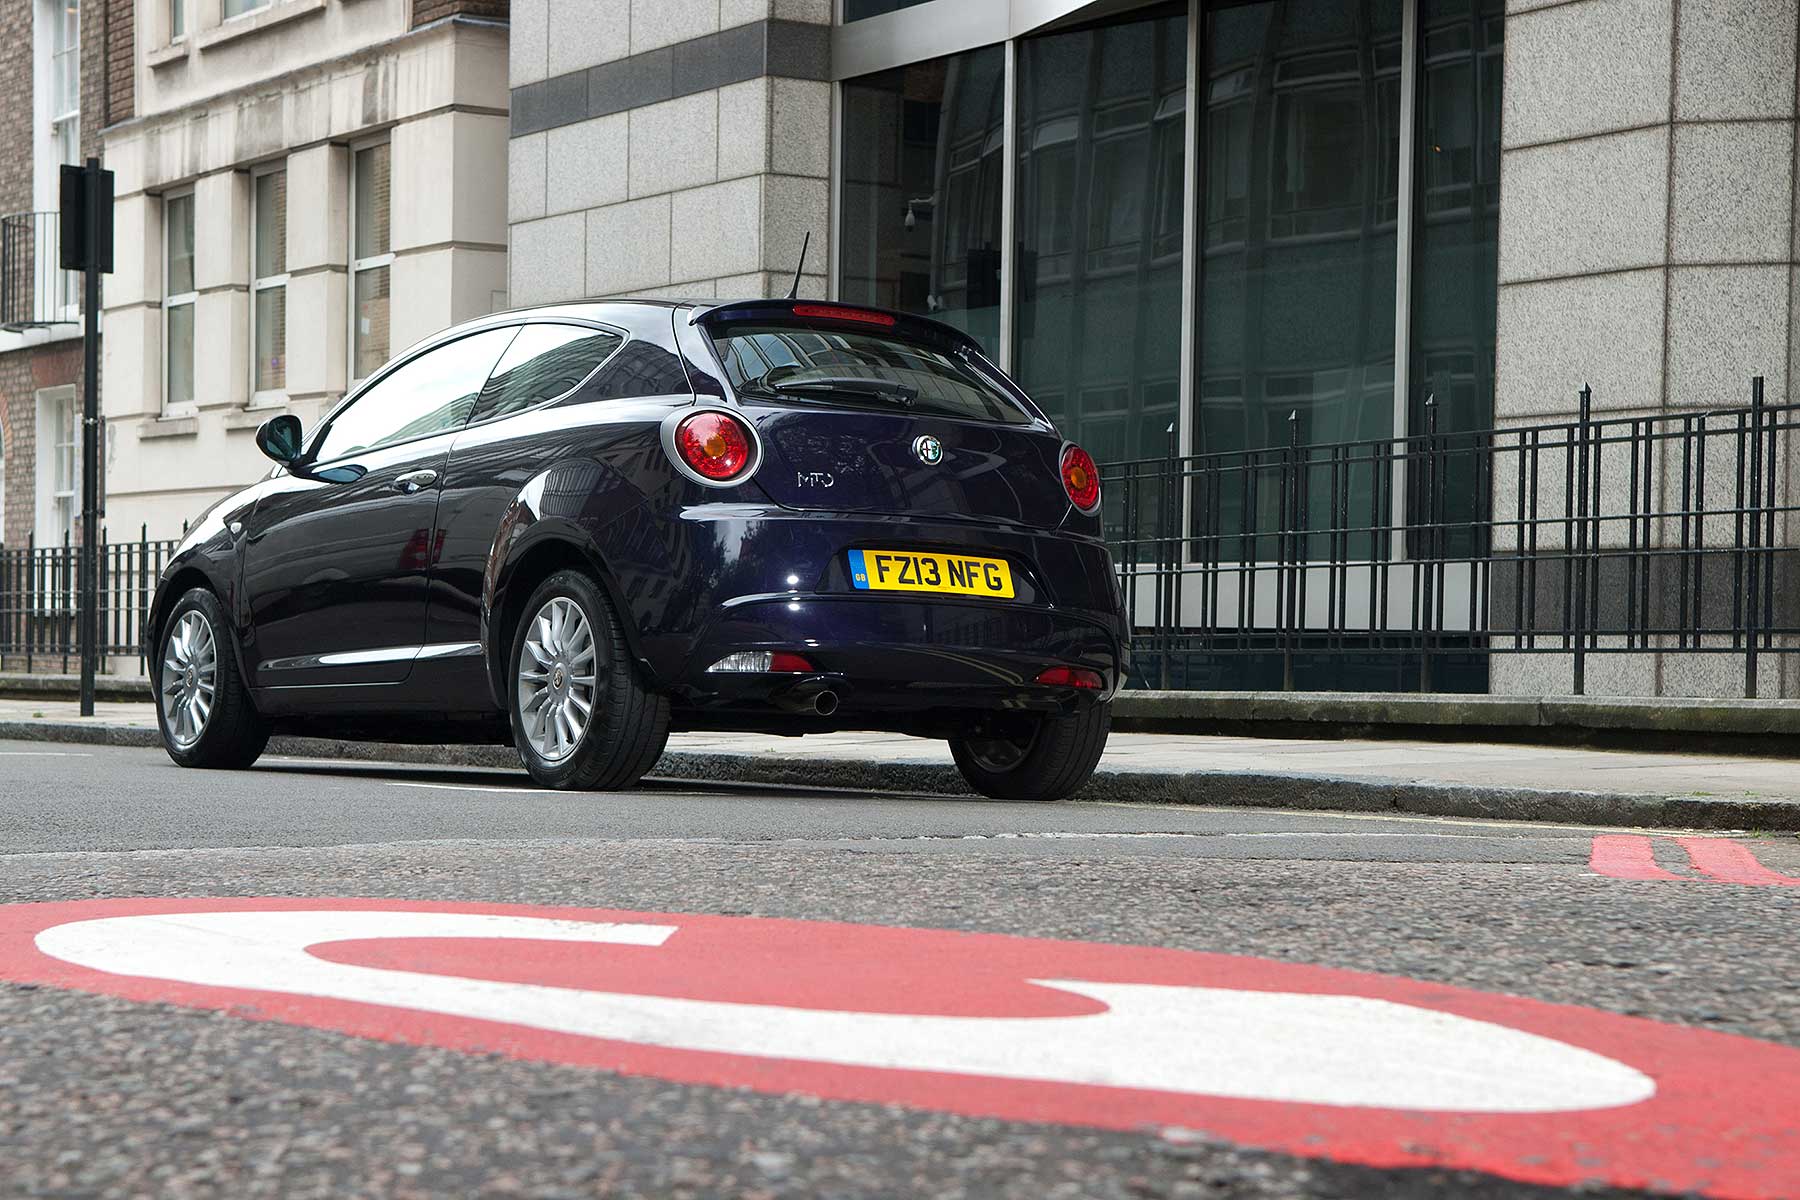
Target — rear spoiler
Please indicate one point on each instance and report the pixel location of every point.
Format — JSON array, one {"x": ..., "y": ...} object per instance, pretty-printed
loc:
[{"x": 902, "y": 323}]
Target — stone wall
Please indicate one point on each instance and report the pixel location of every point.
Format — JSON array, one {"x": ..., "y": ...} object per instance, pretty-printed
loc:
[
  {"x": 668, "y": 147},
  {"x": 1648, "y": 247}
]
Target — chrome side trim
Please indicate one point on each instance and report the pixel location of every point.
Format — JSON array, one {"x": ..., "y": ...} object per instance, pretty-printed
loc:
[{"x": 360, "y": 658}]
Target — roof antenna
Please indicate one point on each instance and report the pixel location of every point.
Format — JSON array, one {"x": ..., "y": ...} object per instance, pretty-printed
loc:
[{"x": 794, "y": 292}]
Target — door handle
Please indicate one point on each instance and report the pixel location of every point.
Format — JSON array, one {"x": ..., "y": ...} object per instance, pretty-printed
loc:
[{"x": 412, "y": 481}]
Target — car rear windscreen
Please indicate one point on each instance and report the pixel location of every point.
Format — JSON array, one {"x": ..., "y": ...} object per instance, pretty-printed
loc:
[{"x": 828, "y": 365}]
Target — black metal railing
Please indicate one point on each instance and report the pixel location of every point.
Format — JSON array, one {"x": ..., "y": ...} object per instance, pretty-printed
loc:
[
  {"x": 1452, "y": 560},
  {"x": 40, "y": 589},
  {"x": 34, "y": 289}
]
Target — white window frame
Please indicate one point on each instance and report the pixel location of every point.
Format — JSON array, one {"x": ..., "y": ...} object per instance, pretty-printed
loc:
[
  {"x": 268, "y": 283},
  {"x": 56, "y": 132},
  {"x": 183, "y": 9},
  {"x": 57, "y": 509},
  {"x": 359, "y": 265},
  {"x": 248, "y": 12},
  {"x": 170, "y": 406}
]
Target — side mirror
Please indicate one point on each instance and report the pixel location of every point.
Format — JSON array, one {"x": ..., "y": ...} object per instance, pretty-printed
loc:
[{"x": 279, "y": 438}]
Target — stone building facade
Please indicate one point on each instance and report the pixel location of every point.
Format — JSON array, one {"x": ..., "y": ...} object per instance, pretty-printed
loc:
[
  {"x": 668, "y": 147},
  {"x": 307, "y": 187}
]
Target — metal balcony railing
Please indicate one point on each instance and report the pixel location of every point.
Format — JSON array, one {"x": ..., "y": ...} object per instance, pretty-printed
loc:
[{"x": 34, "y": 289}]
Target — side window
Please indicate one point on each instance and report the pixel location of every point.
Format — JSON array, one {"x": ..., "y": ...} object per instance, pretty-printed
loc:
[
  {"x": 543, "y": 362},
  {"x": 430, "y": 394}
]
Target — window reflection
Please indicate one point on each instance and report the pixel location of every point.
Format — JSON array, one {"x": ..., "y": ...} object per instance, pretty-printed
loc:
[
  {"x": 1299, "y": 216},
  {"x": 1101, "y": 170},
  {"x": 1458, "y": 213},
  {"x": 921, "y": 190}
]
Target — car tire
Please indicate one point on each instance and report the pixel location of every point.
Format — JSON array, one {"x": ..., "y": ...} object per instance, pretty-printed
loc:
[
  {"x": 205, "y": 714},
  {"x": 1048, "y": 759},
  {"x": 626, "y": 725}
]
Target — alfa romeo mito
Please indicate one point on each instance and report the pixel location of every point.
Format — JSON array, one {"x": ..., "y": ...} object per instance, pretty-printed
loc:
[{"x": 576, "y": 529}]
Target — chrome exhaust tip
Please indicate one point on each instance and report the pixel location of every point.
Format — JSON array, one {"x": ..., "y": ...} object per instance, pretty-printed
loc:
[{"x": 825, "y": 703}]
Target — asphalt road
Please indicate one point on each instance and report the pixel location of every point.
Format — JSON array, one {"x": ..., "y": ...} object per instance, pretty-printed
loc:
[{"x": 101, "y": 1096}]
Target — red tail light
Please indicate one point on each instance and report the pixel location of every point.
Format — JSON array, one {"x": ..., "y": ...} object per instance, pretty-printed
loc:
[
  {"x": 1075, "y": 677},
  {"x": 1081, "y": 478},
  {"x": 714, "y": 444}
]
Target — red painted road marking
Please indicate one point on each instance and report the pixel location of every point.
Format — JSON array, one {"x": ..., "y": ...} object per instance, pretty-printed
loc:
[
  {"x": 1719, "y": 860},
  {"x": 1728, "y": 862},
  {"x": 1626, "y": 856},
  {"x": 1307, "y": 1060}
]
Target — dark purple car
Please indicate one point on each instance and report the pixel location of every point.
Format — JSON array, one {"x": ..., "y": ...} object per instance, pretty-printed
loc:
[{"x": 578, "y": 528}]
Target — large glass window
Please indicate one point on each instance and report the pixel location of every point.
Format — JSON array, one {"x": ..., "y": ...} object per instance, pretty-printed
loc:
[
  {"x": 1298, "y": 222},
  {"x": 178, "y": 300},
  {"x": 1101, "y": 172},
  {"x": 923, "y": 149},
  {"x": 433, "y": 393},
  {"x": 371, "y": 260},
  {"x": 268, "y": 315},
  {"x": 1457, "y": 212}
]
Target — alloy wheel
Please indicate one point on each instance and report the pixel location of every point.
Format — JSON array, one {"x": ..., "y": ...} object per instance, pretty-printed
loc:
[
  {"x": 190, "y": 680},
  {"x": 557, "y": 679}
]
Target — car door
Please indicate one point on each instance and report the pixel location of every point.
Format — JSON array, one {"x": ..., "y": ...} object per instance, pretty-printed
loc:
[
  {"x": 524, "y": 422},
  {"x": 339, "y": 551}
]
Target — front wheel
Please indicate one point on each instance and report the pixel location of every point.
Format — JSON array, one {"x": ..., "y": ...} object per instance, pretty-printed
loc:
[
  {"x": 204, "y": 710},
  {"x": 581, "y": 716},
  {"x": 1036, "y": 757}
]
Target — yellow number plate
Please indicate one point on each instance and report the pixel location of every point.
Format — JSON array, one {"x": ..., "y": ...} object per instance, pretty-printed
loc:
[{"x": 909, "y": 571}]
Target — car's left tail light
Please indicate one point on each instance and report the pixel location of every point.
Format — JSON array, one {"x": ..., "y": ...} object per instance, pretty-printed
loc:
[
  {"x": 1081, "y": 478},
  {"x": 716, "y": 446}
]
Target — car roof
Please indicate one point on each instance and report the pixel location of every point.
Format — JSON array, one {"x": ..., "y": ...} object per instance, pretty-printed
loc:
[{"x": 699, "y": 308}]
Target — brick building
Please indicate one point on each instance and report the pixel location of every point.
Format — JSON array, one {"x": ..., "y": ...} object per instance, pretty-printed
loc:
[
  {"x": 303, "y": 188},
  {"x": 65, "y": 72}
]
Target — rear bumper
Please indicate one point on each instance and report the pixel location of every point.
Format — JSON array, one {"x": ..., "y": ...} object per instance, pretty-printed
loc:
[
  {"x": 725, "y": 578},
  {"x": 895, "y": 663}
]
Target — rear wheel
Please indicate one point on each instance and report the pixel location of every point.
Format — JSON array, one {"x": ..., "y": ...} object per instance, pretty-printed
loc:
[
  {"x": 204, "y": 711},
  {"x": 582, "y": 718},
  {"x": 1035, "y": 757}
]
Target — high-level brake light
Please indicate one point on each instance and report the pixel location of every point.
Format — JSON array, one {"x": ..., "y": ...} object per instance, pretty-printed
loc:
[{"x": 836, "y": 312}]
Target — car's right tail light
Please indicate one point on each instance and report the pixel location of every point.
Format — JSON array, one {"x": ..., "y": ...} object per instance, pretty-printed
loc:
[
  {"x": 1081, "y": 478},
  {"x": 714, "y": 445}
]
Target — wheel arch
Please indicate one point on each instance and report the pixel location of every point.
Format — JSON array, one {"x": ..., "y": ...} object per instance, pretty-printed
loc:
[
  {"x": 174, "y": 586},
  {"x": 520, "y": 575}
]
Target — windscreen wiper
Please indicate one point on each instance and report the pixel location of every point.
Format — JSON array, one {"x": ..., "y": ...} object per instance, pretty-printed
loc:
[{"x": 851, "y": 385}]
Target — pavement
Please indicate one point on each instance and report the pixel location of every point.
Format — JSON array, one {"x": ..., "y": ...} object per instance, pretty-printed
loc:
[
  {"x": 106, "y": 1095},
  {"x": 1488, "y": 780}
]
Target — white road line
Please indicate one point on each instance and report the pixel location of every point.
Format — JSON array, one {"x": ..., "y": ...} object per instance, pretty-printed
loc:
[
  {"x": 44, "y": 754},
  {"x": 464, "y": 787}
]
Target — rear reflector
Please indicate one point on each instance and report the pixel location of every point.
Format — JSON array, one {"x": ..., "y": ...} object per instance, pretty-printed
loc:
[
  {"x": 833, "y": 312},
  {"x": 759, "y": 662},
  {"x": 1075, "y": 677}
]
